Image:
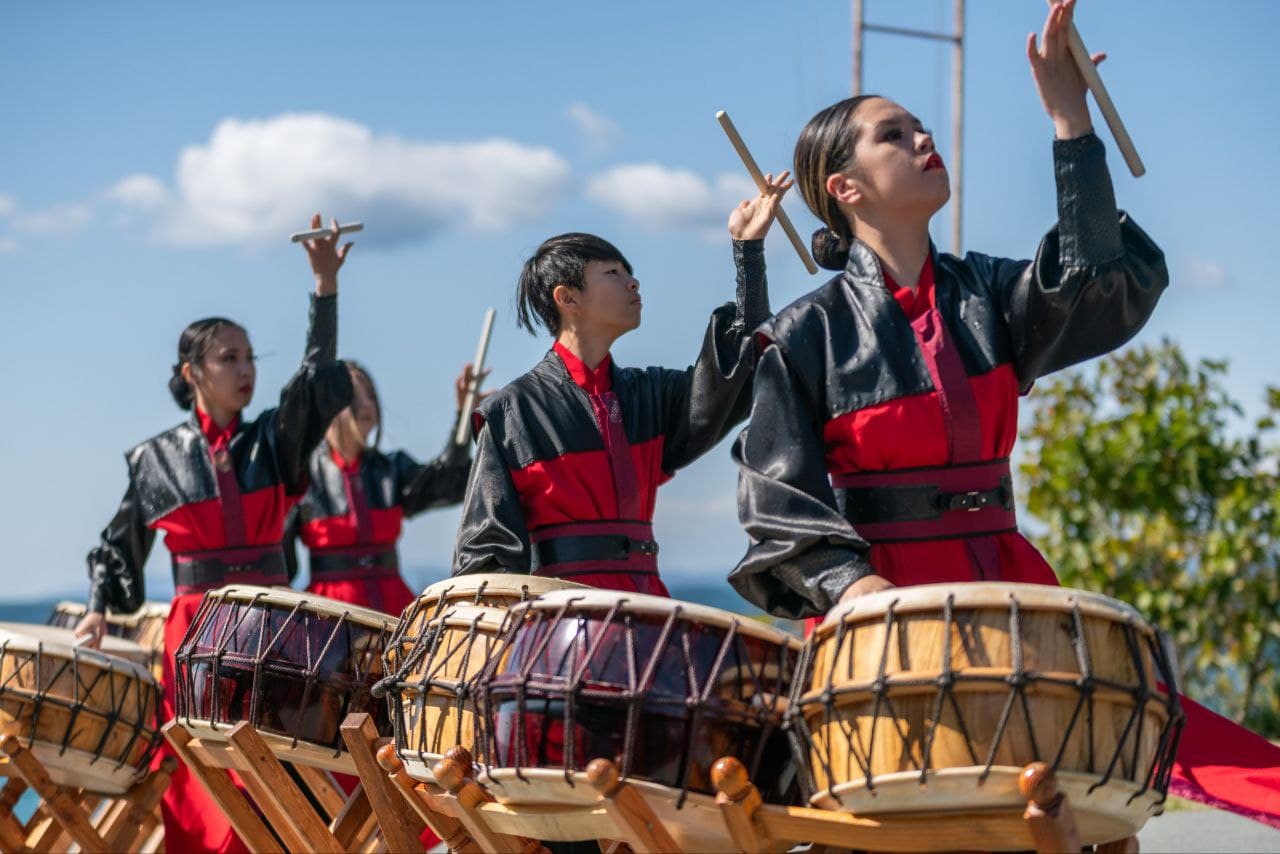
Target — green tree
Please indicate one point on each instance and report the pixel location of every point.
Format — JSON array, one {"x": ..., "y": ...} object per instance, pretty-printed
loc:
[{"x": 1153, "y": 489}]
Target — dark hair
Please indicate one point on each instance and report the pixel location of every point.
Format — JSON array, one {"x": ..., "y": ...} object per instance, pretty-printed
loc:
[
  {"x": 559, "y": 260},
  {"x": 357, "y": 368},
  {"x": 193, "y": 343},
  {"x": 826, "y": 146}
]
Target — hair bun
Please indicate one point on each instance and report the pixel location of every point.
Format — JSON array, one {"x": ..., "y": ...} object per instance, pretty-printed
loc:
[
  {"x": 830, "y": 250},
  {"x": 180, "y": 388}
]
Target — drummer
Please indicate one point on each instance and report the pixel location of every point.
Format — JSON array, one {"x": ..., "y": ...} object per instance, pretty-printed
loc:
[
  {"x": 886, "y": 402},
  {"x": 569, "y": 456},
  {"x": 219, "y": 487},
  {"x": 351, "y": 516}
]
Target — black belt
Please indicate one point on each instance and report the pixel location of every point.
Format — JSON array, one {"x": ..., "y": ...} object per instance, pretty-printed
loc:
[
  {"x": 910, "y": 503},
  {"x": 343, "y": 561},
  {"x": 197, "y": 571},
  {"x": 592, "y": 548}
]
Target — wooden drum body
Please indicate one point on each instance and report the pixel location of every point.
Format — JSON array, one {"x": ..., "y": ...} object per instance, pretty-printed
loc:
[
  {"x": 91, "y": 717},
  {"x": 443, "y": 644},
  {"x": 145, "y": 627},
  {"x": 291, "y": 664},
  {"x": 934, "y": 698},
  {"x": 662, "y": 688}
]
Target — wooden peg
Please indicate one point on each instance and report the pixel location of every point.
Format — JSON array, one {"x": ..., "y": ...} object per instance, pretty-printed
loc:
[
  {"x": 738, "y": 800},
  {"x": 452, "y": 832},
  {"x": 640, "y": 828},
  {"x": 451, "y": 772},
  {"x": 401, "y": 826},
  {"x": 1048, "y": 815}
]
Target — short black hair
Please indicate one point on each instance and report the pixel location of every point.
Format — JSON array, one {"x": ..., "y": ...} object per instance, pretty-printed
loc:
[{"x": 560, "y": 260}]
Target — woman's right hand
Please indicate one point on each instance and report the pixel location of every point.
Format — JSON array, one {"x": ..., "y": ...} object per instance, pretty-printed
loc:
[
  {"x": 751, "y": 219},
  {"x": 863, "y": 586},
  {"x": 326, "y": 258},
  {"x": 94, "y": 626}
]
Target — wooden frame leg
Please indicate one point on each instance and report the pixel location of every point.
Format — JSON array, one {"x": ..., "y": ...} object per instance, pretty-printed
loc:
[
  {"x": 60, "y": 804},
  {"x": 640, "y": 828},
  {"x": 1048, "y": 814},
  {"x": 250, "y": 828},
  {"x": 451, "y": 831},
  {"x": 1128, "y": 845},
  {"x": 126, "y": 828},
  {"x": 288, "y": 809},
  {"x": 453, "y": 772},
  {"x": 401, "y": 826}
]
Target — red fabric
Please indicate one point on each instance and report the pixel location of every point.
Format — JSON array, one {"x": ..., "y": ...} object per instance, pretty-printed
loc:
[
  {"x": 596, "y": 381},
  {"x": 578, "y": 487},
  {"x": 198, "y": 527},
  {"x": 338, "y": 532},
  {"x": 218, "y": 437},
  {"x": 192, "y": 819},
  {"x": 1224, "y": 765}
]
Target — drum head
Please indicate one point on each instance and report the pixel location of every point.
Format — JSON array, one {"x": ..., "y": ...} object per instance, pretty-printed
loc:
[
  {"x": 116, "y": 653},
  {"x": 488, "y": 587},
  {"x": 287, "y": 598}
]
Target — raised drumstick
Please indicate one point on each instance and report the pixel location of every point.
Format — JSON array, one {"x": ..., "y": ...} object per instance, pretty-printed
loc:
[
  {"x": 754, "y": 171},
  {"x": 1092, "y": 79},
  {"x": 326, "y": 232},
  {"x": 463, "y": 434}
]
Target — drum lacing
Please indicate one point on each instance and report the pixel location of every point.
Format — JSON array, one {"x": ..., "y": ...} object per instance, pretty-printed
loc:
[{"x": 38, "y": 663}]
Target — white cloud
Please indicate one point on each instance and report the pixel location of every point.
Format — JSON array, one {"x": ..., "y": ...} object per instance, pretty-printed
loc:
[
  {"x": 1204, "y": 275},
  {"x": 258, "y": 180},
  {"x": 56, "y": 219},
  {"x": 599, "y": 131},
  {"x": 140, "y": 192},
  {"x": 657, "y": 196},
  {"x": 7, "y": 245},
  {"x": 8, "y": 204}
]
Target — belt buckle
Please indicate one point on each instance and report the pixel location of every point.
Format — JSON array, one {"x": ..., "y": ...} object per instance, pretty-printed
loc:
[
  {"x": 968, "y": 501},
  {"x": 365, "y": 561},
  {"x": 235, "y": 568},
  {"x": 646, "y": 547}
]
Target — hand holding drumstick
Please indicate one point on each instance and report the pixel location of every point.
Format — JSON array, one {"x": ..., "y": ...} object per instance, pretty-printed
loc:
[{"x": 751, "y": 219}]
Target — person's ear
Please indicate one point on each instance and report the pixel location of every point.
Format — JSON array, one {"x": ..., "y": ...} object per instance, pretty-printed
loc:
[
  {"x": 844, "y": 189},
  {"x": 187, "y": 375},
  {"x": 564, "y": 297}
]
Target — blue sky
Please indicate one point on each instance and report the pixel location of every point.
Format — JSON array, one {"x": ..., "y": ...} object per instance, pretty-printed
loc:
[{"x": 155, "y": 158}]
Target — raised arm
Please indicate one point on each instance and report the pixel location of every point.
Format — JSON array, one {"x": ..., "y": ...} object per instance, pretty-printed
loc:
[
  {"x": 322, "y": 386},
  {"x": 492, "y": 536},
  {"x": 803, "y": 552},
  {"x": 704, "y": 401}
]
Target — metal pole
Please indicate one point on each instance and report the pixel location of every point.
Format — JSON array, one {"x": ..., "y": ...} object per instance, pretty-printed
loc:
[
  {"x": 857, "y": 47},
  {"x": 957, "y": 129}
]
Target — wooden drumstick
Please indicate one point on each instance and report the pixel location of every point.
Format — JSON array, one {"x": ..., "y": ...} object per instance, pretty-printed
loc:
[
  {"x": 462, "y": 435},
  {"x": 349, "y": 228},
  {"x": 1092, "y": 79},
  {"x": 754, "y": 171}
]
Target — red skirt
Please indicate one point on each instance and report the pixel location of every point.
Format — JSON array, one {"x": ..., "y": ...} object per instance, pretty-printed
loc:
[
  {"x": 193, "y": 821},
  {"x": 388, "y": 594}
]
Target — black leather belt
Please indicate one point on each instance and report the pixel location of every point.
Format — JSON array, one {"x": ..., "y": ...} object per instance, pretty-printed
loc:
[
  {"x": 197, "y": 571},
  {"x": 592, "y": 548},
  {"x": 343, "y": 561}
]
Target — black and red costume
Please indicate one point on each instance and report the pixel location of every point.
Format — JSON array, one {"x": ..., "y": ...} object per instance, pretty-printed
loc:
[
  {"x": 220, "y": 496},
  {"x": 569, "y": 460},
  {"x": 352, "y": 515},
  {"x": 883, "y": 422}
]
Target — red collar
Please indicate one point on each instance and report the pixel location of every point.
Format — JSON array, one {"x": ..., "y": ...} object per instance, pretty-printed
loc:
[
  {"x": 348, "y": 467},
  {"x": 217, "y": 437},
  {"x": 598, "y": 381},
  {"x": 914, "y": 304}
]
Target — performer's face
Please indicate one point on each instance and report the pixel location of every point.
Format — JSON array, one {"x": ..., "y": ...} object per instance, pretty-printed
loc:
[
  {"x": 227, "y": 372},
  {"x": 364, "y": 409},
  {"x": 609, "y": 299},
  {"x": 896, "y": 168}
]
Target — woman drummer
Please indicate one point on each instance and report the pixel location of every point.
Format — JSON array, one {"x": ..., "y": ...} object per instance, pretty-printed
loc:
[
  {"x": 219, "y": 487},
  {"x": 359, "y": 497},
  {"x": 885, "y": 402}
]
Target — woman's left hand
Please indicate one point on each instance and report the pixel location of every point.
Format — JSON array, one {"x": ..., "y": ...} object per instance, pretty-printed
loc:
[
  {"x": 463, "y": 382},
  {"x": 751, "y": 219},
  {"x": 1062, "y": 88}
]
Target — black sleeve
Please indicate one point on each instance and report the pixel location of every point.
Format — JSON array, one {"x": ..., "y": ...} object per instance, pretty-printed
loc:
[
  {"x": 492, "y": 536},
  {"x": 292, "y": 529},
  {"x": 313, "y": 397},
  {"x": 803, "y": 552},
  {"x": 115, "y": 565},
  {"x": 438, "y": 483},
  {"x": 703, "y": 402},
  {"x": 1096, "y": 277}
]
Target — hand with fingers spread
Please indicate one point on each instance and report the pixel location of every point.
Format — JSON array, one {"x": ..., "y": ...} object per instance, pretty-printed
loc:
[
  {"x": 463, "y": 383},
  {"x": 326, "y": 258},
  {"x": 1062, "y": 88},
  {"x": 751, "y": 219}
]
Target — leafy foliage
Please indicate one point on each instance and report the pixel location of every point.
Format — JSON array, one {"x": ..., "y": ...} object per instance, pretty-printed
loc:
[{"x": 1154, "y": 490}]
